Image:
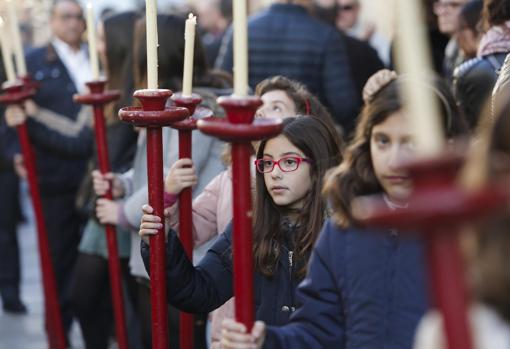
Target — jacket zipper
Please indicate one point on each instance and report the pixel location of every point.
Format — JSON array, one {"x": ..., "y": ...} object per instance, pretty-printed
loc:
[{"x": 291, "y": 267}]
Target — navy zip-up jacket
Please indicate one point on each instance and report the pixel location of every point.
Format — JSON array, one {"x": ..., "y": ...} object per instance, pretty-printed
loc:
[
  {"x": 363, "y": 290},
  {"x": 286, "y": 40},
  {"x": 206, "y": 287}
]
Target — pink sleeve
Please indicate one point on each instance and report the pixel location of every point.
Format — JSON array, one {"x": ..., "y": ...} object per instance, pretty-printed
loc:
[
  {"x": 169, "y": 199},
  {"x": 205, "y": 208}
]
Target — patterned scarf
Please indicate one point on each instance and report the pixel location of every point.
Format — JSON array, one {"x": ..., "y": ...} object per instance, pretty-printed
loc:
[{"x": 496, "y": 40}]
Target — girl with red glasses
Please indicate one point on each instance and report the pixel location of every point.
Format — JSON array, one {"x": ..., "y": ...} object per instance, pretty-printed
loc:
[
  {"x": 288, "y": 215},
  {"x": 364, "y": 289}
]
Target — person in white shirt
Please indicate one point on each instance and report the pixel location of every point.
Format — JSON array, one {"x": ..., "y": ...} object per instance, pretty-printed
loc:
[{"x": 348, "y": 21}]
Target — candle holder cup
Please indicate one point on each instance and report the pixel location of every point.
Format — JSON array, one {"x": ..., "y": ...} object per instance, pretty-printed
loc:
[
  {"x": 98, "y": 98},
  {"x": 16, "y": 94},
  {"x": 438, "y": 207},
  {"x": 241, "y": 129},
  {"x": 153, "y": 115}
]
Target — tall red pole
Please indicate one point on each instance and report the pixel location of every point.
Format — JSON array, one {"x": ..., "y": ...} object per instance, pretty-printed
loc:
[
  {"x": 17, "y": 94},
  {"x": 241, "y": 129},
  {"x": 98, "y": 98},
  {"x": 153, "y": 115},
  {"x": 437, "y": 209},
  {"x": 185, "y": 128}
]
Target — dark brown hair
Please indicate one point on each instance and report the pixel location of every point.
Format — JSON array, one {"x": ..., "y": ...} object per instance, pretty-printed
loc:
[
  {"x": 495, "y": 12},
  {"x": 320, "y": 144},
  {"x": 355, "y": 176}
]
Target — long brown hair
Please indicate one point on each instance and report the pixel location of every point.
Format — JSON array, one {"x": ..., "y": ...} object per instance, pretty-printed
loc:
[
  {"x": 490, "y": 264},
  {"x": 319, "y": 143},
  {"x": 495, "y": 12},
  {"x": 356, "y": 176}
]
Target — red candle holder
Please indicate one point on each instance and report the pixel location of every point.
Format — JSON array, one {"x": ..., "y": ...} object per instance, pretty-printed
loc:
[
  {"x": 98, "y": 98},
  {"x": 241, "y": 129},
  {"x": 153, "y": 115},
  {"x": 437, "y": 209},
  {"x": 185, "y": 128},
  {"x": 17, "y": 94}
]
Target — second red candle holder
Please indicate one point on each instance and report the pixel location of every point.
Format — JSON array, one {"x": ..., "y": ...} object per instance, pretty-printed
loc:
[
  {"x": 153, "y": 115},
  {"x": 98, "y": 98}
]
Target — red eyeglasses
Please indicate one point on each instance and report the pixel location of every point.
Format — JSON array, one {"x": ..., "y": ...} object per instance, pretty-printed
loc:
[{"x": 286, "y": 164}]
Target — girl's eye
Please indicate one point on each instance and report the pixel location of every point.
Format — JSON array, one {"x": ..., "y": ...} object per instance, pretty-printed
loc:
[
  {"x": 268, "y": 164},
  {"x": 277, "y": 109},
  {"x": 290, "y": 163},
  {"x": 382, "y": 140}
]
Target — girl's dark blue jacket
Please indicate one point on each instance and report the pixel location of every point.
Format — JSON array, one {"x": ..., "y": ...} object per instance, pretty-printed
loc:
[
  {"x": 363, "y": 290},
  {"x": 203, "y": 288}
]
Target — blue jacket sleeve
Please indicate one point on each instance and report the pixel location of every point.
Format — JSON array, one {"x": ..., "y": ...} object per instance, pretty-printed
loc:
[
  {"x": 199, "y": 289},
  {"x": 9, "y": 146},
  {"x": 319, "y": 321},
  {"x": 338, "y": 86}
]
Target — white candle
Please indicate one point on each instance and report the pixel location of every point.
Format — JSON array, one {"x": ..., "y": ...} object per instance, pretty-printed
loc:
[
  {"x": 6, "y": 53},
  {"x": 152, "y": 43},
  {"x": 189, "y": 48},
  {"x": 16, "y": 39},
  {"x": 91, "y": 33},
  {"x": 240, "y": 48},
  {"x": 413, "y": 59}
]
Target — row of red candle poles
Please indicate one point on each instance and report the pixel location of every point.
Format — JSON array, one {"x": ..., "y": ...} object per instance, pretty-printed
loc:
[{"x": 426, "y": 214}]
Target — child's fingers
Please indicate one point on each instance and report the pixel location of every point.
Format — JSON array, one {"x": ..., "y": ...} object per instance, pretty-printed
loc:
[
  {"x": 144, "y": 232},
  {"x": 184, "y": 171},
  {"x": 232, "y": 325},
  {"x": 183, "y": 163},
  {"x": 151, "y": 226},
  {"x": 150, "y": 218},
  {"x": 258, "y": 330},
  {"x": 147, "y": 209},
  {"x": 233, "y": 340}
]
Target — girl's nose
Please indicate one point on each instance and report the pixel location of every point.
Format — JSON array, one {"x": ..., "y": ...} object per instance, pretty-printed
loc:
[{"x": 277, "y": 172}]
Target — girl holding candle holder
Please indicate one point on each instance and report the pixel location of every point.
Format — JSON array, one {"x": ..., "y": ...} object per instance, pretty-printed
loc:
[
  {"x": 212, "y": 209},
  {"x": 362, "y": 289},
  {"x": 288, "y": 215}
]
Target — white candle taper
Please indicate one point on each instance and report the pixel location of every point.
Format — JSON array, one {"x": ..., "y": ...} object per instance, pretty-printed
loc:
[
  {"x": 189, "y": 51},
  {"x": 91, "y": 33},
  {"x": 413, "y": 59},
  {"x": 151, "y": 9},
  {"x": 16, "y": 39},
  {"x": 6, "y": 53},
  {"x": 240, "y": 48}
]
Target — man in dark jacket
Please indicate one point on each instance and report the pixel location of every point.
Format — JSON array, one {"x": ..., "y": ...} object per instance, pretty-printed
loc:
[
  {"x": 286, "y": 40},
  {"x": 60, "y": 132}
]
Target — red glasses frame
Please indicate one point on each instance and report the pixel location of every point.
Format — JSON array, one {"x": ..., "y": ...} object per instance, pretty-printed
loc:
[{"x": 259, "y": 163}]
